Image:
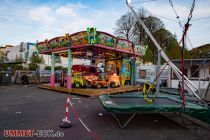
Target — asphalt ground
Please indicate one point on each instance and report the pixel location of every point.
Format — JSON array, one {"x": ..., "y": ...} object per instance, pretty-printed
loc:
[{"x": 31, "y": 108}]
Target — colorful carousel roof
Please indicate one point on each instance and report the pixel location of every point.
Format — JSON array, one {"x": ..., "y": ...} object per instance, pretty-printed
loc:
[{"x": 90, "y": 44}]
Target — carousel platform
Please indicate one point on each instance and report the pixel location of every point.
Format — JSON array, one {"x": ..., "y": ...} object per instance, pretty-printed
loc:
[{"x": 92, "y": 91}]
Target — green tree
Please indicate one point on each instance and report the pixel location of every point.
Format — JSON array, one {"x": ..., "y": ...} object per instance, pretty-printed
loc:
[
  {"x": 147, "y": 56},
  {"x": 58, "y": 67},
  {"x": 47, "y": 67},
  {"x": 17, "y": 66},
  {"x": 200, "y": 52},
  {"x": 3, "y": 66},
  {"x": 35, "y": 60},
  {"x": 139, "y": 32},
  {"x": 168, "y": 43}
]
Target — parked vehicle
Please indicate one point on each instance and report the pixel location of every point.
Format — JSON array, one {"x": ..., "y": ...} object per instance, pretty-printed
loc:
[
  {"x": 44, "y": 76},
  {"x": 148, "y": 73},
  {"x": 32, "y": 77}
]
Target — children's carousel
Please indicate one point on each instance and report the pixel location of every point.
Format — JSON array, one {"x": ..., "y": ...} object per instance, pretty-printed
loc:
[{"x": 118, "y": 55}]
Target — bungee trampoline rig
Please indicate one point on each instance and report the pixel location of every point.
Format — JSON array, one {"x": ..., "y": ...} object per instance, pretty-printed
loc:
[
  {"x": 149, "y": 102},
  {"x": 92, "y": 44}
]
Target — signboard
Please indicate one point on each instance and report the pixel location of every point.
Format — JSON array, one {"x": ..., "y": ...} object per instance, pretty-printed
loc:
[
  {"x": 79, "y": 38},
  {"x": 87, "y": 38},
  {"x": 141, "y": 49},
  {"x": 124, "y": 45},
  {"x": 105, "y": 39}
]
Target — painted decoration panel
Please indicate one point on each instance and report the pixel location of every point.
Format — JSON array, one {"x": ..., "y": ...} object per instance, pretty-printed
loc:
[
  {"x": 58, "y": 42},
  {"x": 141, "y": 49},
  {"x": 42, "y": 47},
  {"x": 79, "y": 38},
  {"x": 124, "y": 45},
  {"x": 91, "y": 38},
  {"x": 125, "y": 70},
  {"x": 105, "y": 39}
]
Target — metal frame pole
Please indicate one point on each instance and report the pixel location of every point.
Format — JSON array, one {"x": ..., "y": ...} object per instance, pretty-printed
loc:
[{"x": 158, "y": 71}]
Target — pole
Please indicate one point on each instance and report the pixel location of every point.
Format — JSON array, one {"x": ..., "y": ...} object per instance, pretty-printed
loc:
[
  {"x": 52, "y": 77},
  {"x": 158, "y": 71},
  {"x": 183, "y": 100},
  {"x": 207, "y": 89},
  {"x": 133, "y": 71},
  {"x": 69, "y": 69}
]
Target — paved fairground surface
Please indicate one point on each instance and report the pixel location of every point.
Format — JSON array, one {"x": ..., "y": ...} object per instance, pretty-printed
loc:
[{"x": 31, "y": 108}]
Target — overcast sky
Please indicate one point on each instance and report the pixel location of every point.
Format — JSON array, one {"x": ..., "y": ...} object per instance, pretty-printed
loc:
[{"x": 31, "y": 20}]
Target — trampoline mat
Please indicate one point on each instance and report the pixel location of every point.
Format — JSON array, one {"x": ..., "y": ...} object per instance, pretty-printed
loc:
[
  {"x": 137, "y": 103},
  {"x": 140, "y": 101}
]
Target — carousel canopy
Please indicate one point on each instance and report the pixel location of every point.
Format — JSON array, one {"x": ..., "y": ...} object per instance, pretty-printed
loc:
[{"x": 90, "y": 44}]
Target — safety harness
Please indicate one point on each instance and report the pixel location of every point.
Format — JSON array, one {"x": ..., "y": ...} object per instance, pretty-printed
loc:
[{"x": 149, "y": 88}]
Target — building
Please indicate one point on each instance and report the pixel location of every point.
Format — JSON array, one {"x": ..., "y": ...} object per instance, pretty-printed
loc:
[
  {"x": 3, "y": 53},
  {"x": 197, "y": 70},
  {"x": 22, "y": 53}
]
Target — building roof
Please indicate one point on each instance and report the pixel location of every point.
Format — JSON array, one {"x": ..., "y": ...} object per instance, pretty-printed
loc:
[{"x": 192, "y": 61}]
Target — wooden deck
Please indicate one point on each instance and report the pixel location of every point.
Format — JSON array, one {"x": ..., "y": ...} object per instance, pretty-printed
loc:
[{"x": 92, "y": 91}]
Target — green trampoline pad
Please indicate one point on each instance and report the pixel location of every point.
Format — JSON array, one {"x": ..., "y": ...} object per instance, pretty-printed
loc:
[{"x": 136, "y": 103}]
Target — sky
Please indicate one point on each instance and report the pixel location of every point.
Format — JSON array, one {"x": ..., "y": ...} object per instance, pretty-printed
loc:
[{"x": 32, "y": 20}]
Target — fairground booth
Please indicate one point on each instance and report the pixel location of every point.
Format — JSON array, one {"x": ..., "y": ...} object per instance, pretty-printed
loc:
[{"x": 119, "y": 56}]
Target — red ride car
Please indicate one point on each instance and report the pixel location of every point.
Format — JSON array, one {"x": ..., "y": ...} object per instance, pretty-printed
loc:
[{"x": 86, "y": 69}]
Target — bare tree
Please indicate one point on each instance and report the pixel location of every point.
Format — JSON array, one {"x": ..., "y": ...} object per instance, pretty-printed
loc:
[
  {"x": 125, "y": 26},
  {"x": 139, "y": 33}
]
